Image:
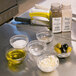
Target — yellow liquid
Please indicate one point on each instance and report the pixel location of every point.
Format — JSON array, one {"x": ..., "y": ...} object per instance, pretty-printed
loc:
[
  {"x": 13, "y": 67},
  {"x": 16, "y": 55}
]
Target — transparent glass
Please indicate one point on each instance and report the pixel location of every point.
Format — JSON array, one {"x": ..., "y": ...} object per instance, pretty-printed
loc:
[
  {"x": 62, "y": 41},
  {"x": 45, "y": 36},
  {"x": 63, "y": 55},
  {"x": 15, "y": 56},
  {"x": 47, "y": 63},
  {"x": 19, "y": 41},
  {"x": 36, "y": 47}
]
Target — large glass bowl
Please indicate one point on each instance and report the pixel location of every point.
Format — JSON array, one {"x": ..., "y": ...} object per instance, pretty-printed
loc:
[
  {"x": 45, "y": 36},
  {"x": 19, "y": 41}
]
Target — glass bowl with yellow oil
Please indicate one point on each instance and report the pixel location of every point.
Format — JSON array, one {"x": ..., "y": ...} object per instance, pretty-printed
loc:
[{"x": 15, "y": 56}]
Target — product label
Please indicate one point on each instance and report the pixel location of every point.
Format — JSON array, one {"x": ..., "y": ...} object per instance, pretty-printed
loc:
[
  {"x": 56, "y": 25},
  {"x": 66, "y": 26}
]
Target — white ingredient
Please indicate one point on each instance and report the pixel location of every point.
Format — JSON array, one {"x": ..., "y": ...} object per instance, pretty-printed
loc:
[
  {"x": 46, "y": 39},
  {"x": 19, "y": 44},
  {"x": 48, "y": 64}
]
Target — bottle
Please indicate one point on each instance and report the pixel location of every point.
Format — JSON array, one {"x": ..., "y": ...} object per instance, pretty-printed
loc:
[
  {"x": 56, "y": 17},
  {"x": 66, "y": 17}
]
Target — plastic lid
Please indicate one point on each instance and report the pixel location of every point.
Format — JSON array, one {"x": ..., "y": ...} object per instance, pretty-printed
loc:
[
  {"x": 66, "y": 5},
  {"x": 55, "y": 6}
]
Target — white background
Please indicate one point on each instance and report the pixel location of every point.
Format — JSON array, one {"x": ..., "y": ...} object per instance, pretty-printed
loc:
[{"x": 47, "y": 3}]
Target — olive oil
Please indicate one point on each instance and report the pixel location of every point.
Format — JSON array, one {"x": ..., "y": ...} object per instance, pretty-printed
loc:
[
  {"x": 15, "y": 55},
  {"x": 13, "y": 67}
]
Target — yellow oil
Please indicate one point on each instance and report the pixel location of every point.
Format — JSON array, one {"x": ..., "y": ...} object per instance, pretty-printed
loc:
[
  {"x": 13, "y": 67},
  {"x": 16, "y": 55},
  {"x": 16, "y": 67}
]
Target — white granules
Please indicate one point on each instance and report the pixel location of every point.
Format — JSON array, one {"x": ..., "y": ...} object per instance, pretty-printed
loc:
[
  {"x": 48, "y": 64},
  {"x": 19, "y": 44}
]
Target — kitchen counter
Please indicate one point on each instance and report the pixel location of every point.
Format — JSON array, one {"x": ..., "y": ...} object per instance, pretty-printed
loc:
[{"x": 67, "y": 66}]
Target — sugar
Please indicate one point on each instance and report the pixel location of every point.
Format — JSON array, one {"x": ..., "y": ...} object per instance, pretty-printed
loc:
[{"x": 19, "y": 44}]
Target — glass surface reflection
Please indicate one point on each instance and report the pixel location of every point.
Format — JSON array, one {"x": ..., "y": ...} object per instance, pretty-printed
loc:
[
  {"x": 16, "y": 67},
  {"x": 54, "y": 73}
]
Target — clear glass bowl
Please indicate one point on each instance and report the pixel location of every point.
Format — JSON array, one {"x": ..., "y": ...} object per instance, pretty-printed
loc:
[
  {"x": 45, "y": 36},
  {"x": 36, "y": 47},
  {"x": 19, "y": 41},
  {"x": 15, "y": 56},
  {"x": 47, "y": 63},
  {"x": 63, "y": 55}
]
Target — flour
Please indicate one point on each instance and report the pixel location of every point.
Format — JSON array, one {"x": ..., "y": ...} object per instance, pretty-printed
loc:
[{"x": 48, "y": 64}]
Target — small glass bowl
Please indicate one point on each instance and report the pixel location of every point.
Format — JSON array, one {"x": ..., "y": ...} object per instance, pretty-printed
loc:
[
  {"x": 47, "y": 63},
  {"x": 15, "y": 56},
  {"x": 36, "y": 47},
  {"x": 45, "y": 36},
  {"x": 63, "y": 55},
  {"x": 19, "y": 41},
  {"x": 64, "y": 52}
]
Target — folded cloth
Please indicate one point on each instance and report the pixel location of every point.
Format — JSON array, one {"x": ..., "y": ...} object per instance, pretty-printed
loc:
[
  {"x": 35, "y": 21},
  {"x": 39, "y": 16}
]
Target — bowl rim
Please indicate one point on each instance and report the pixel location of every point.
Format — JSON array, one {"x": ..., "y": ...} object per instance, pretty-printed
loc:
[
  {"x": 57, "y": 60},
  {"x": 13, "y": 49},
  {"x": 63, "y": 55},
  {"x": 43, "y": 32},
  {"x": 34, "y": 42},
  {"x": 14, "y": 36}
]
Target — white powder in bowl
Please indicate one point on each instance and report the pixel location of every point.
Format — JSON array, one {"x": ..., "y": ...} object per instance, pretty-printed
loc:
[
  {"x": 48, "y": 64},
  {"x": 19, "y": 44}
]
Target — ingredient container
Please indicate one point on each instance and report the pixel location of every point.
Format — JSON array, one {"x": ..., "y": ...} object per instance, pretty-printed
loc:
[
  {"x": 19, "y": 41},
  {"x": 45, "y": 36},
  {"x": 47, "y": 63},
  {"x": 15, "y": 56}
]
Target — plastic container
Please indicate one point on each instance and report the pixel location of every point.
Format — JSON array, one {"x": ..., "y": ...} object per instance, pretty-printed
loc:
[
  {"x": 15, "y": 56},
  {"x": 45, "y": 36},
  {"x": 66, "y": 17},
  {"x": 47, "y": 63},
  {"x": 19, "y": 41},
  {"x": 36, "y": 47}
]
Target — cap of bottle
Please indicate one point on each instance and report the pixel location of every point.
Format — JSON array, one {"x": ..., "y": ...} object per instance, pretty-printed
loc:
[
  {"x": 66, "y": 5},
  {"x": 55, "y": 6}
]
